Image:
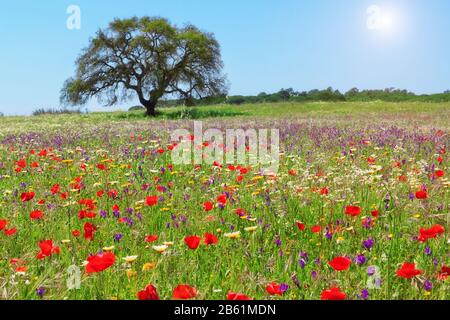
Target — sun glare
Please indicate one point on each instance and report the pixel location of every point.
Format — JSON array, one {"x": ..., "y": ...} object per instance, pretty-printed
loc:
[{"x": 380, "y": 19}]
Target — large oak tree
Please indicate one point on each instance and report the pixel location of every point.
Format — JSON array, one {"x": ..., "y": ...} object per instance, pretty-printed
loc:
[{"x": 147, "y": 58}]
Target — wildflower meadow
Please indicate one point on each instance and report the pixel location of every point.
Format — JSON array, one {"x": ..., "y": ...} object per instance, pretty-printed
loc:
[{"x": 92, "y": 207}]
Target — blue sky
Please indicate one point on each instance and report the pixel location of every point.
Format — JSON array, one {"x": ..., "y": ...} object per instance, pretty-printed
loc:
[{"x": 266, "y": 44}]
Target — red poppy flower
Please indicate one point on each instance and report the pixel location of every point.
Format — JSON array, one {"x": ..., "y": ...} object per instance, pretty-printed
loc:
[
  {"x": 55, "y": 189},
  {"x": 151, "y": 238},
  {"x": 192, "y": 242},
  {"x": 27, "y": 196},
  {"x": 300, "y": 225},
  {"x": 244, "y": 170},
  {"x": 237, "y": 296},
  {"x": 408, "y": 271},
  {"x": 274, "y": 289},
  {"x": 100, "y": 262},
  {"x": 222, "y": 199},
  {"x": 21, "y": 163},
  {"x": 76, "y": 233},
  {"x": 444, "y": 274},
  {"x": 439, "y": 173},
  {"x": 184, "y": 292},
  {"x": 210, "y": 239},
  {"x": 340, "y": 263},
  {"x": 47, "y": 249},
  {"x": 151, "y": 201},
  {"x": 83, "y": 214},
  {"x": 207, "y": 206},
  {"x": 333, "y": 294},
  {"x": 35, "y": 215},
  {"x": 21, "y": 269},
  {"x": 89, "y": 230},
  {"x": 3, "y": 224},
  {"x": 10, "y": 232},
  {"x": 324, "y": 191},
  {"x": 101, "y": 166},
  {"x": 421, "y": 195},
  {"x": 431, "y": 233},
  {"x": 353, "y": 211},
  {"x": 113, "y": 193},
  {"x": 149, "y": 293},
  {"x": 375, "y": 213}
]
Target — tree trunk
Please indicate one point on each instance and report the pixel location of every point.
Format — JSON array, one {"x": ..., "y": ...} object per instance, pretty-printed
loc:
[{"x": 151, "y": 109}]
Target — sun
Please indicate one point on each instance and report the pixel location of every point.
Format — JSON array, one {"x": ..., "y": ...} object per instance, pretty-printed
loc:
[{"x": 379, "y": 19}]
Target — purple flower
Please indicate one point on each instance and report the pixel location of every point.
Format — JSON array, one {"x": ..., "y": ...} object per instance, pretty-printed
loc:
[
  {"x": 428, "y": 285},
  {"x": 364, "y": 294},
  {"x": 41, "y": 291},
  {"x": 103, "y": 213},
  {"x": 314, "y": 275},
  {"x": 371, "y": 270},
  {"x": 283, "y": 287},
  {"x": 368, "y": 244},
  {"x": 118, "y": 237},
  {"x": 427, "y": 251},
  {"x": 328, "y": 234},
  {"x": 304, "y": 255},
  {"x": 278, "y": 242},
  {"x": 302, "y": 263},
  {"x": 378, "y": 282},
  {"x": 367, "y": 223},
  {"x": 295, "y": 280},
  {"x": 360, "y": 259}
]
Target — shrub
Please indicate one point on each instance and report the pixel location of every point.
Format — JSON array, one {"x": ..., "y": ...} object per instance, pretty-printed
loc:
[
  {"x": 52, "y": 111},
  {"x": 136, "y": 108}
]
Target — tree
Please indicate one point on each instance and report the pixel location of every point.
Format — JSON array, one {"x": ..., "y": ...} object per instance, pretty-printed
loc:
[{"x": 147, "y": 58}]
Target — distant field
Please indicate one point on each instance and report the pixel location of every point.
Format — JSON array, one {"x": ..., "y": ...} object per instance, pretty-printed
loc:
[{"x": 429, "y": 114}]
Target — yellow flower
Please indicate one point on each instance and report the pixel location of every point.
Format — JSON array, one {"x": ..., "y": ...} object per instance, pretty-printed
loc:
[
  {"x": 233, "y": 235},
  {"x": 251, "y": 229},
  {"x": 130, "y": 259},
  {"x": 65, "y": 241},
  {"x": 108, "y": 249},
  {"x": 131, "y": 273},
  {"x": 160, "y": 249},
  {"x": 148, "y": 266},
  {"x": 168, "y": 243}
]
